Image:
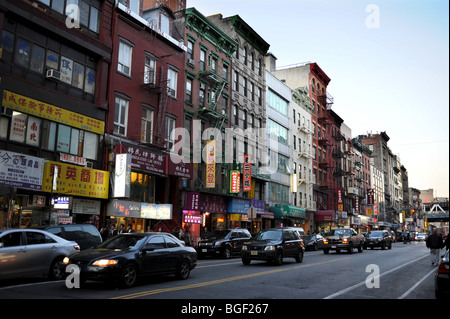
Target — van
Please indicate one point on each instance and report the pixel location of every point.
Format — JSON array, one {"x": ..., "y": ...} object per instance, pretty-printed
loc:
[
  {"x": 85, "y": 235},
  {"x": 300, "y": 232}
]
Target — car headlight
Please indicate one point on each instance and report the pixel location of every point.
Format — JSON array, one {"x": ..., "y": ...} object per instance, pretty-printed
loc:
[
  {"x": 269, "y": 248},
  {"x": 66, "y": 260},
  {"x": 244, "y": 248},
  {"x": 105, "y": 262},
  {"x": 218, "y": 243}
]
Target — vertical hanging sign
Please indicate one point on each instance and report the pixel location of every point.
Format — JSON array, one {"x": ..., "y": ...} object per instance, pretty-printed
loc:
[
  {"x": 235, "y": 177},
  {"x": 247, "y": 174},
  {"x": 211, "y": 164}
]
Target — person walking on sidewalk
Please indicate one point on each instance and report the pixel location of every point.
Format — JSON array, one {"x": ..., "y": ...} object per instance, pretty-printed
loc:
[{"x": 435, "y": 243}]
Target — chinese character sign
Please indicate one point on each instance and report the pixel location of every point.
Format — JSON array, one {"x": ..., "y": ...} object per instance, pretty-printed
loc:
[
  {"x": 247, "y": 174},
  {"x": 20, "y": 170},
  {"x": 76, "y": 180},
  {"x": 235, "y": 177},
  {"x": 211, "y": 164}
]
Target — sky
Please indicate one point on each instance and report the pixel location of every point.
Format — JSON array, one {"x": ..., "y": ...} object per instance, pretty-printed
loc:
[{"x": 388, "y": 61}]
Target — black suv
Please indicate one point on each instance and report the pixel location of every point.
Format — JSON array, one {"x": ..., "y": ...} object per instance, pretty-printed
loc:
[
  {"x": 378, "y": 238},
  {"x": 85, "y": 235},
  {"x": 273, "y": 245},
  {"x": 223, "y": 242}
]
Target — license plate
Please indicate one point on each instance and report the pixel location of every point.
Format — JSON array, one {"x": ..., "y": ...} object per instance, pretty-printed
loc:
[
  {"x": 254, "y": 253},
  {"x": 204, "y": 250},
  {"x": 333, "y": 246}
]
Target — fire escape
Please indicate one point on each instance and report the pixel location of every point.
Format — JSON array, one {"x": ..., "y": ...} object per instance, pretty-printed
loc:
[
  {"x": 324, "y": 140},
  {"x": 157, "y": 85}
]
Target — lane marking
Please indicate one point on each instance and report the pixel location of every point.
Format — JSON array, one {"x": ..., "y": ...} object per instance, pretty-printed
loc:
[
  {"x": 364, "y": 282},
  {"x": 224, "y": 280},
  {"x": 417, "y": 284}
]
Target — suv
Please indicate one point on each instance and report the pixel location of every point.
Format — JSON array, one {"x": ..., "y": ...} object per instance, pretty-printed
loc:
[
  {"x": 222, "y": 242},
  {"x": 343, "y": 238},
  {"x": 85, "y": 235},
  {"x": 378, "y": 238},
  {"x": 273, "y": 245},
  {"x": 300, "y": 231}
]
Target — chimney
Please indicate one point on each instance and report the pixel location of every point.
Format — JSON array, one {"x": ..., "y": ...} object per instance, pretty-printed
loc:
[{"x": 271, "y": 61}]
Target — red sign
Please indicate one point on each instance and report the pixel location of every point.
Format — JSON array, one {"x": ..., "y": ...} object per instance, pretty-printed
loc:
[
  {"x": 339, "y": 196},
  {"x": 370, "y": 197},
  {"x": 235, "y": 180},
  {"x": 247, "y": 174}
]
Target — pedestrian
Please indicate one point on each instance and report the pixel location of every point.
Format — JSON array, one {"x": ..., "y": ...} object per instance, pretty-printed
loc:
[
  {"x": 130, "y": 229},
  {"x": 112, "y": 231},
  {"x": 122, "y": 229},
  {"x": 435, "y": 243},
  {"x": 181, "y": 234},
  {"x": 187, "y": 237}
]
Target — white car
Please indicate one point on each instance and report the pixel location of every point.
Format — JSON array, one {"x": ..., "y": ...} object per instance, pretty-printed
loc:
[
  {"x": 421, "y": 236},
  {"x": 32, "y": 252}
]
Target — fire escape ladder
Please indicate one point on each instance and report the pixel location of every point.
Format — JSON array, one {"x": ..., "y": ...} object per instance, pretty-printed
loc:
[{"x": 160, "y": 124}]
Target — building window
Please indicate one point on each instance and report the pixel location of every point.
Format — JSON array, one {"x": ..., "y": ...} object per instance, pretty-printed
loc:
[
  {"x": 170, "y": 126},
  {"x": 244, "y": 55},
  {"x": 172, "y": 79},
  {"x": 277, "y": 103},
  {"x": 147, "y": 125},
  {"x": 121, "y": 116},
  {"x": 190, "y": 50},
  {"x": 244, "y": 86},
  {"x": 165, "y": 24},
  {"x": 149, "y": 70},
  {"x": 125, "y": 52},
  {"x": 202, "y": 60},
  {"x": 236, "y": 115},
  {"x": 236, "y": 81},
  {"x": 189, "y": 90}
]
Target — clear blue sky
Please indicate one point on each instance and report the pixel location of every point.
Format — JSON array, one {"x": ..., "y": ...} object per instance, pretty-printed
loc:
[{"x": 393, "y": 78}]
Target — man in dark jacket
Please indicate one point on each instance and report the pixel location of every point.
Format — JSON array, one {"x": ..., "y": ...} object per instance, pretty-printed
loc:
[{"x": 435, "y": 243}]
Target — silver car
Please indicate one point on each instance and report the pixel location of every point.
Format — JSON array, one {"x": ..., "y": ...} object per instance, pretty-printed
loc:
[{"x": 31, "y": 252}]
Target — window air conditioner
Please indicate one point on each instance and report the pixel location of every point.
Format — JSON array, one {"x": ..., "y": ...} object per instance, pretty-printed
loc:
[{"x": 53, "y": 74}]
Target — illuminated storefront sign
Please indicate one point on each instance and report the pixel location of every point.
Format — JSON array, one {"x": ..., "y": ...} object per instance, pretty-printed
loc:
[
  {"x": 235, "y": 177},
  {"x": 156, "y": 211},
  {"x": 20, "y": 170},
  {"x": 247, "y": 174},
  {"x": 211, "y": 164}
]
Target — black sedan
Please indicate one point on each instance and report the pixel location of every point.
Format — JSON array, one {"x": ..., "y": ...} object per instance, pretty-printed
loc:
[
  {"x": 273, "y": 245},
  {"x": 127, "y": 256},
  {"x": 313, "y": 242},
  {"x": 442, "y": 279}
]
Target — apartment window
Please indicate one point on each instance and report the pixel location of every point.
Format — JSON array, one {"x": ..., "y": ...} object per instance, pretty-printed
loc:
[
  {"x": 164, "y": 24},
  {"x": 252, "y": 61},
  {"x": 201, "y": 97},
  {"x": 202, "y": 60},
  {"x": 236, "y": 81},
  {"x": 244, "y": 118},
  {"x": 236, "y": 115},
  {"x": 170, "y": 126},
  {"x": 190, "y": 50},
  {"x": 124, "y": 64},
  {"x": 277, "y": 131},
  {"x": 295, "y": 142},
  {"x": 121, "y": 116},
  {"x": 259, "y": 68},
  {"x": 90, "y": 145},
  {"x": 244, "y": 55},
  {"x": 147, "y": 125},
  {"x": 150, "y": 70},
  {"x": 252, "y": 91},
  {"x": 172, "y": 77},
  {"x": 189, "y": 90},
  {"x": 244, "y": 86},
  {"x": 259, "y": 96}
]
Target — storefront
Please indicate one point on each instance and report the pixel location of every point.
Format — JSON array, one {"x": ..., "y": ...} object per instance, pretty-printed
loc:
[
  {"x": 286, "y": 216},
  {"x": 324, "y": 220}
]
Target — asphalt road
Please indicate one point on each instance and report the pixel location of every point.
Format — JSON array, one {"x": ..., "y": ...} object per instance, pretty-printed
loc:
[{"x": 404, "y": 272}]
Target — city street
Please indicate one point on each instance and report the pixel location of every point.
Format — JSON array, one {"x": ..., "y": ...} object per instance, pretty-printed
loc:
[{"x": 405, "y": 272}]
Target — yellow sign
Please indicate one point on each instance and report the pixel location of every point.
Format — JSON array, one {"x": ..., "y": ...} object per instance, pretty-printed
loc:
[
  {"x": 340, "y": 207},
  {"x": 50, "y": 112},
  {"x": 76, "y": 180},
  {"x": 211, "y": 164}
]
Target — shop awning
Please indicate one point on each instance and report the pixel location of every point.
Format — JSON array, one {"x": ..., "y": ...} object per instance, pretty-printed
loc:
[{"x": 282, "y": 211}]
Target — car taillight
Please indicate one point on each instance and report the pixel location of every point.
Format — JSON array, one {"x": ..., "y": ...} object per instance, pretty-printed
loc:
[
  {"x": 77, "y": 247},
  {"x": 443, "y": 268}
]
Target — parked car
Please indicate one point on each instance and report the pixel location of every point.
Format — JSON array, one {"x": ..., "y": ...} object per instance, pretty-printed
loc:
[
  {"x": 224, "y": 242},
  {"x": 273, "y": 245},
  {"x": 442, "y": 279},
  {"x": 85, "y": 235},
  {"x": 32, "y": 252},
  {"x": 126, "y": 257},
  {"x": 378, "y": 238},
  {"x": 406, "y": 237},
  {"x": 313, "y": 242},
  {"x": 421, "y": 236}
]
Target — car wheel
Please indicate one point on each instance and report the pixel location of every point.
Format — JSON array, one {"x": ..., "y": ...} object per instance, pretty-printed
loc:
[
  {"x": 326, "y": 251},
  {"x": 350, "y": 249},
  {"x": 390, "y": 246},
  {"x": 360, "y": 248},
  {"x": 184, "y": 270},
  {"x": 227, "y": 253},
  {"x": 278, "y": 258},
  {"x": 128, "y": 276},
  {"x": 55, "y": 271},
  {"x": 299, "y": 257},
  {"x": 383, "y": 246},
  {"x": 314, "y": 247},
  {"x": 246, "y": 261}
]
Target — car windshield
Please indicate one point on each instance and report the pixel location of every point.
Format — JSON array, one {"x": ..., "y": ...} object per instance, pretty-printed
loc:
[
  {"x": 340, "y": 232},
  {"x": 376, "y": 234},
  {"x": 216, "y": 234},
  {"x": 123, "y": 242},
  {"x": 269, "y": 235}
]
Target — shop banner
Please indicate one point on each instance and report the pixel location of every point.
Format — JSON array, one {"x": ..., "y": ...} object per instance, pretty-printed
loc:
[
  {"x": 122, "y": 175},
  {"x": 235, "y": 181},
  {"x": 76, "y": 180},
  {"x": 192, "y": 219},
  {"x": 86, "y": 206},
  {"x": 370, "y": 197},
  {"x": 144, "y": 159},
  {"x": 205, "y": 202},
  {"x": 50, "y": 112},
  {"x": 156, "y": 211},
  {"x": 20, "y": 170},
  {"x": 211, "y": 164},
  {"x": 239, "y": 205}
]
